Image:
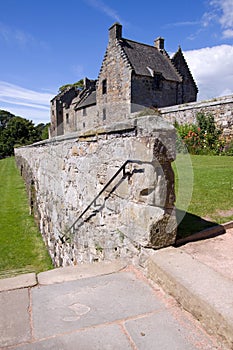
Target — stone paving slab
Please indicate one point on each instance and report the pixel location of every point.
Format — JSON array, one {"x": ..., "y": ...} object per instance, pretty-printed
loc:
[
  {"x": 216, "y": 252},
  {"x": 89, "y": 302},
  {"x": 72, "y": 273},
  {"x": 173, "y": 331},
  {"x": 14, "y": 317},
  {"x": 117, "y": 311},
  {"x": 21, "y": 281},
  {"x": 201, "y": 290},
  {"x": 109, "y": 337}
]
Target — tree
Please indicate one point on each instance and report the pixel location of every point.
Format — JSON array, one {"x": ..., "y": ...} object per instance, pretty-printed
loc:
[
  {"x": 43, "y": 130},
  {"x": 17, "y": 131},
  {"x": 4, "y": 118},
  {"x": 78, "y": 85}
]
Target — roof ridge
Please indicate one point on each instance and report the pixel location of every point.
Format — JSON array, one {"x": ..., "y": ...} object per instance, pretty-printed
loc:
[{"x": 137, "y": 42}]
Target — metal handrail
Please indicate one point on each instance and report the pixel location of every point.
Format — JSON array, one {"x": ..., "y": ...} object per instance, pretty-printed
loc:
[{"x": 122, "y": 168}]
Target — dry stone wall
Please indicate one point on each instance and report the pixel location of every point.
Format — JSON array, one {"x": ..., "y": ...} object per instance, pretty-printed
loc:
[{"x": 135, "y": 212}]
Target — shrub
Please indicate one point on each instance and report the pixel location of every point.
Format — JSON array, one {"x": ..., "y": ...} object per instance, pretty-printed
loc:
[{"x": 203, "y": 138}]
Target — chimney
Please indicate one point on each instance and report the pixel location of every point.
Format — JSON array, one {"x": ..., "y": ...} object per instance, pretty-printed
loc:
[
  {"x": 115, "y": 32},
  {"x": 159, "y": 43}
]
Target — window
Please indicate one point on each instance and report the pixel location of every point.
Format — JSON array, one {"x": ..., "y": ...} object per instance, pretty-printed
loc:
[
  {"x": 84, "y": 111},
  {"x": 104, "y": 114},
  {"x": 104, "y": 86},
  {"x": 67, "y": 118},
  {"x": 84, "y": 125}
]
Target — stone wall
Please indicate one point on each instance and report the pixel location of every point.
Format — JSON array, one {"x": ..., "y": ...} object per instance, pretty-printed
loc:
[
  {"x": 135, "y": 212},
  {"x": 59, "y": 108},
  {"x": 146, "y": 93},
  {"x": 114, "y": 104},
  {"x": 86, "y": 119},
  {"x": 187, "y": 91},
  {"x": 221, "y": 108}
]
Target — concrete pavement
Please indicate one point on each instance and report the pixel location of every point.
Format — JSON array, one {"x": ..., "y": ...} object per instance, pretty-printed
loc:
[
  {"x": 101, "y": 306},
  {"x": 114, "y": 306},
  {"x": 199, "y": 276}
]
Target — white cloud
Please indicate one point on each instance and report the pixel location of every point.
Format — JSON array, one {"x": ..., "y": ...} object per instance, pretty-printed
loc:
[
  {"x": 182, "y": 24},
  {"x": 37, "y": 116},
  {"x": 226, "y": 7},
  {"x": 26, "y": 103},
  {"x": 228, "y": 33},
  {"x": 212, "y": 69},
  {"x": 221, "y": 12},
  {"x": 101, "y": 6}
]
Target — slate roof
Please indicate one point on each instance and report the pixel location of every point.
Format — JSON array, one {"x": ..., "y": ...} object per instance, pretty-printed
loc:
[
  {"x": 142, "y": 57},
  {"x": 88, "y": 100}
]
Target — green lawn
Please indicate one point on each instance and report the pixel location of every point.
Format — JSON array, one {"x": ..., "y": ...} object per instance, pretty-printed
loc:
[
  {"x": 211, "y": 195},
  {"x": 21, "y": 246}
]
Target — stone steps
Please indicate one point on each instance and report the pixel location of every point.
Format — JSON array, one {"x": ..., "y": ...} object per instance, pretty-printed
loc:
[{"x": 199, "y": 289}]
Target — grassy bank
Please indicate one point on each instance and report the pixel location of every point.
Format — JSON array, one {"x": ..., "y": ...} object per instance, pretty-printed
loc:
[
  {"x": 212, "y": 194},
  {"x": 21, "y": 247}
]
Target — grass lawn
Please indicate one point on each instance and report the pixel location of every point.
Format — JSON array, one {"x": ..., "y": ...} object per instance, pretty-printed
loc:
[
  {"x": 212, "y": 194},
  {"x": 21, "y": 246}
]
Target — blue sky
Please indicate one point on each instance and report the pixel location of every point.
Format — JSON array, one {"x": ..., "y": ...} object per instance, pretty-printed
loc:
[{"x": 45, "y": 44}]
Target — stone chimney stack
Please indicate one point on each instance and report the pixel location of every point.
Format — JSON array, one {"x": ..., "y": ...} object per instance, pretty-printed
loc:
[
  {"x": 159, "y": 43},
  {"x": 115, "y": 32}
]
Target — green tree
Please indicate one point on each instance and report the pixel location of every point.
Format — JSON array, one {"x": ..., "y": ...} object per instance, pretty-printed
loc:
[
  {"x": 4, "y": 118},
  {"x": 16, "y": 131},
  {"x": 43, "y": 130},
  {"x": 78, "y": 85}
]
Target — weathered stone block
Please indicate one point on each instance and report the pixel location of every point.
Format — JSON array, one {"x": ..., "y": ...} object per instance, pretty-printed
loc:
[{"x": 133, "y": 211}]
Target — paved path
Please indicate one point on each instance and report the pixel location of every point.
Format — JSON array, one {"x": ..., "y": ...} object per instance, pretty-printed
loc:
[
  {"x": 199, "y": 276},
  {"x": 98, "y": 307},
  {"x": 216, "y": 252}
]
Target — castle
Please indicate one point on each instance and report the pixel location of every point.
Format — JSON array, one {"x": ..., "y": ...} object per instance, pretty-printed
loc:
[
  {"x": 105, "y": 189},
  {"x": 132, "y": 76}
]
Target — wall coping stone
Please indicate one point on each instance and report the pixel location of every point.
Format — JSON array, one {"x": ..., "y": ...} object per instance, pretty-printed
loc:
[
  {"x": 195, "y": 105},
  {"x": 146, "y": 124}
]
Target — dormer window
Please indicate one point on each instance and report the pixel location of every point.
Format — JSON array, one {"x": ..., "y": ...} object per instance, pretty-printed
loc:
[
  {"x": 104, "y": 86},
  {"x": 151, "y": 71}
]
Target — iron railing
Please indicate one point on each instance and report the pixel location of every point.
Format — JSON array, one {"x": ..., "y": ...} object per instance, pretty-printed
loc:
[{"x": 124, "y": 175}]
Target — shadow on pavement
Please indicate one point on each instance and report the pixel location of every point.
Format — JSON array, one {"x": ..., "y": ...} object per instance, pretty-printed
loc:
[{"x": 193, "y": 227}]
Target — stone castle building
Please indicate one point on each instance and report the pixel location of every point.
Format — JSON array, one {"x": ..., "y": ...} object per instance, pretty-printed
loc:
[{"x": 132, "y": 76}]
